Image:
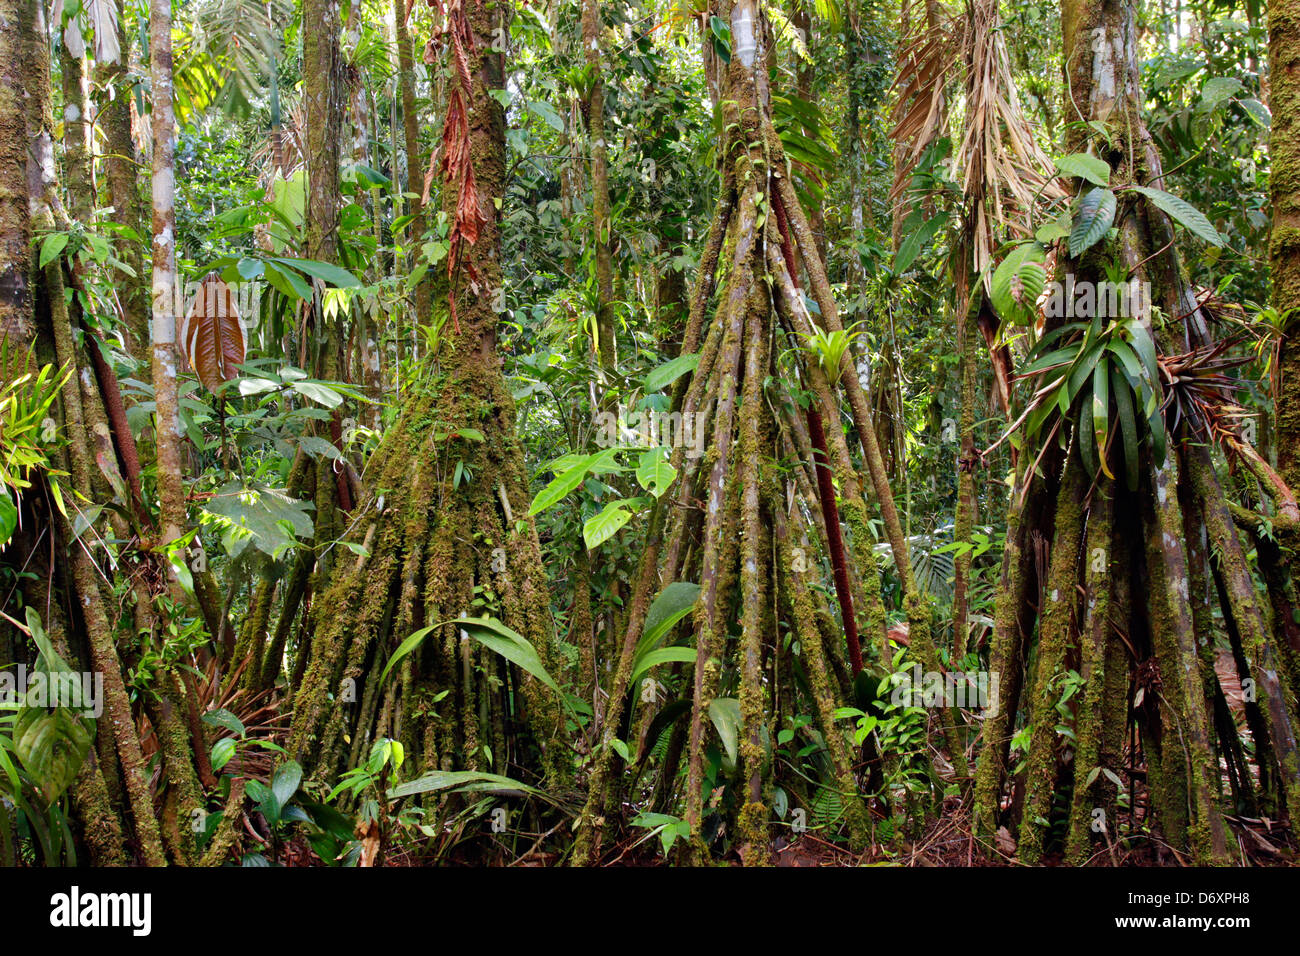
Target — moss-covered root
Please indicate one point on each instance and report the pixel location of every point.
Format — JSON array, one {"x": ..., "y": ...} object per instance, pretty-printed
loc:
[
  {"x": 1056, "y": 634},
  {"x": 1091, "y": 786},
  {"x": 1173, "y": 628},
  {"x": 798, "y": 603},
  {"x": 1284, "y": 152},
  {"x": 1243, "y": 604},
  {"x": 226, "y": 839},
  {"x": 1005, "y": 660},
  {"x": 100, "y": 825},
  {"x": 755, "y": 581}
]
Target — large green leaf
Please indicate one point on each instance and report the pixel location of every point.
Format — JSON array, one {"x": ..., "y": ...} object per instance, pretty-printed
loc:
[
  {"x": 51, "y": 742},
  {"x": 514, "y": 647},
  {"x": 599, "y": 528},
  {"x": 672, "y": 604},
  {"x": 1096, "y": 214},
  {"x": 559, "y": 487},
  {"x": 725, "y": 714},
  {"x": 1084, "y": 166},
  {"x": 439, "y": 780},
  {"x": 572, "y": 476},
  {"x": 1182, "y": 212},
  {"x": 915, "y": 241},
  {"x": 654, "y": 473},
  {"x": 273, "y": 520},
  {"x": 493, "y": 635},
  {"x": 1122, "y": 391},
  {"x": 284, "y": 783},
  {"x": 51, "y": 745},
  {"x": 404, "y": 648},
  {"x": 662, "y": 655},
  {"x": 547, "y": 112},
  {"x": 325, "y": 271},
  {"x": 1101, "y": 411},
  {"x": 1017, "y": 283},
  {"x": 8, "y": 516},
  {"x": 666, "y": 374}
]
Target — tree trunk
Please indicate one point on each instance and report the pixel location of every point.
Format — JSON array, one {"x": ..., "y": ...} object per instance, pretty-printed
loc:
[
  {"x": 1284, "y": 183},
  {"x": 601, "y": 225},
  {"x": 167, "y": 292}
]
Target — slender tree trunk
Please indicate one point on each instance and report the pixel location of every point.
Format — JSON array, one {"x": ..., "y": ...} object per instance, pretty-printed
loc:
[
  {"x": 600, "y": 206},
  {"x": 414, "y": 161},
  {"x": 166, "y": 289},
  {"x": 122, "y": 173}
]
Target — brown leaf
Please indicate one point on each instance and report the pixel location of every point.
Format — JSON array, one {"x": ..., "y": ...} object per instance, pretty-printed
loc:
[{"x": 211, "y": 335}]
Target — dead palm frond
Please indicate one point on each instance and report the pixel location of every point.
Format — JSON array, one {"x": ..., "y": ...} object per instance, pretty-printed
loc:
[
  {"x": 1005, "y": 173},
  {"x": 926, "y": 65}
]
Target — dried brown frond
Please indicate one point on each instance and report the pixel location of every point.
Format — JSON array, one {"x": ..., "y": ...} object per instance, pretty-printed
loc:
[
  {"x": 926, "y": 65},
  {"x": 1005, "y": 172}
]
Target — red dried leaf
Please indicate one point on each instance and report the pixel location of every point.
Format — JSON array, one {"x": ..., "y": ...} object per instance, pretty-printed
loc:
[{"x": 211, "y": 335}]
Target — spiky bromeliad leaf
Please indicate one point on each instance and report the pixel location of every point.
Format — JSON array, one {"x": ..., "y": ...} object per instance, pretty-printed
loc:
[{"x": 1096, "y": 214}]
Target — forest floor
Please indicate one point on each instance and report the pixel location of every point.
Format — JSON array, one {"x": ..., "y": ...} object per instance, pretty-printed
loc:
[{"x": 947, "y": 842}]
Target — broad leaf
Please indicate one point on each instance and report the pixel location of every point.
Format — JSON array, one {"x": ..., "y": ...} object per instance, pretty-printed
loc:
[
  {"x": 666, "y": 374},
  {"x": 601, "y": 527},
  {"x": 514, "y": 647},
  {"x": 211, "y": 334},
  {"x": 661, "y": 655},
  {"x": 654, "y": 473},
  {"x": 1084, "y": 166},
  {"x": 1183, "y": 213},
  {"x": 1096, "y": 214},
  {"x": 439, "y": 780},
  {"x": 725, "y": 714}
]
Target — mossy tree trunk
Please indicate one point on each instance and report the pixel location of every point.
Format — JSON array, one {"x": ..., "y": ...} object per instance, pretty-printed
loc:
[
  {"x": 442, "y": 518},
  {"x": 122, "y": 814},
  {"x": 1125, "y": 598},
  {"x": 121, "y": 163},
  {"x": 738, "y": 545},
  {"x": 1284, "y": 183}
]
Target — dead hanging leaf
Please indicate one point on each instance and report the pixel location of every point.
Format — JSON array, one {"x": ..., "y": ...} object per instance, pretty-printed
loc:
[{"x": 211, "y": 336}]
